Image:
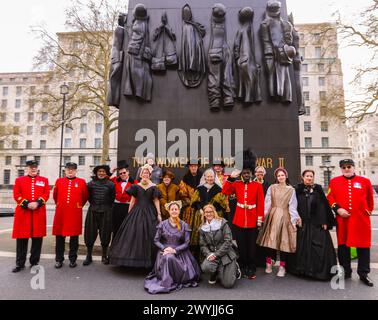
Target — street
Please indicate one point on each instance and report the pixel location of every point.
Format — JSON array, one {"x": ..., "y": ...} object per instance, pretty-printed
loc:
[{"x": 98, "y": 281}]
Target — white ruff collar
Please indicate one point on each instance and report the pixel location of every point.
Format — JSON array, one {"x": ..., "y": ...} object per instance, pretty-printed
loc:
[{"x": 214, "y": 225}]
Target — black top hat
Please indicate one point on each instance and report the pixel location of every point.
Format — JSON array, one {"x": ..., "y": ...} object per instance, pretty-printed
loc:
[
  {"x": 32, "y": 163},
  {"x": 346, "y": 162},
  {"x": 219, "y": 162},
  {"x": 194, "y": 161},
  {"x": 122, "y": 164},
  {"x": 71, "y": 165},
  {"x": 247, "y": 159},
  {"x": 103, "y": 166}
]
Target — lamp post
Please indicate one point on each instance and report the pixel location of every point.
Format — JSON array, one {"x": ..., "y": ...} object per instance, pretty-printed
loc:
[
  {"x": 327, "y": 164},
  {"x": 63, "y": 91}
]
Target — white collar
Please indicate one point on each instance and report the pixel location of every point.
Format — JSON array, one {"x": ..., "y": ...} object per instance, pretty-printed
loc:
[{"x": 214, "y": 225}]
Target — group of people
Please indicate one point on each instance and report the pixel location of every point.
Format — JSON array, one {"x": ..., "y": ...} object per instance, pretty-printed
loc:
[{"x": 223, "y": 225}]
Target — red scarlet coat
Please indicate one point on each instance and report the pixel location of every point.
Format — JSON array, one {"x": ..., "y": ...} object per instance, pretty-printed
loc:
[
  {"x": 121, "y": 195},
  {"x": 70, "y": 196},
  {"x": 356, "y": 196},
  {"x": 251, "y": 193},
  {"x": 30, "y": 223}
]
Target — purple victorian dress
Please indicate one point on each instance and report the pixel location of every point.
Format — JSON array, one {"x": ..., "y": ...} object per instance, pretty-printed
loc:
[{"x": 173, "y": 271}]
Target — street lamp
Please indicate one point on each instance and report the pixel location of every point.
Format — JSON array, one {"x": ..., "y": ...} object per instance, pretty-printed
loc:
[
  {"x": 327, "y": 164},
  {"x": 63, "y": 91}
]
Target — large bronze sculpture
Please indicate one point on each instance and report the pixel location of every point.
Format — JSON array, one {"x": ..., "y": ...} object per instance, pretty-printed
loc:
[
  {"x": 220, "y": 78},
  {"x": 116, "y": 68},
  {"x": 278, "y": 51},
  {"x": 165, "y": 49},
  {"x": 247, "y": 70},
  {"x": 138, "y": 78},
  {"x": 192, "y": 64},
  {"x": 297, "y": 62}
]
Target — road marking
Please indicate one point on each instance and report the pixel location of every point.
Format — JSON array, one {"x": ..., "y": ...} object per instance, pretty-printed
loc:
[{"x": 7, "y": 254}]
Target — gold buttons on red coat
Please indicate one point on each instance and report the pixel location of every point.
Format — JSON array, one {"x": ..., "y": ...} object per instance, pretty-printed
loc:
[
  {"x": 69, "y": 191},
  {"x": 350, "y": 194},
  {"x": 32, "y": 189}
]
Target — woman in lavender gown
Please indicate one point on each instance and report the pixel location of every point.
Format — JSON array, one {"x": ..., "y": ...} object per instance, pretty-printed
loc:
[{"x": 175, "y": 267}]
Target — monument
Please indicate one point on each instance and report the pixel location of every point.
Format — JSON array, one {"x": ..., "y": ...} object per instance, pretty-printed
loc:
[{"x": 209, "y": 79}]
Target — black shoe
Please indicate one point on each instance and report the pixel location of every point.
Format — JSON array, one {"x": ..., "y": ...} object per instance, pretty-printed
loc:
[
  {"x": 366, "y": 280},
  {"x": 58, "y": 265},
  {"x": 213, "y": 278},
  {"x": 17, "y": 269},
  {"x": 88, "y": 260},
  {"x": 34, "y": 264},
  {"x": 73, "y": 264},
  {"x": 105, "y": 258}
]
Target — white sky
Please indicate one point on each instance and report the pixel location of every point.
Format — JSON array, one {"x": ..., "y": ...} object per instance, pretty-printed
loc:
[{"x": 18, "y": 45}]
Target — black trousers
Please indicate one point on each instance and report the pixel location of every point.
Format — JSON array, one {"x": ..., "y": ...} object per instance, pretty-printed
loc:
[
  {"x": 363, "y": 254},
  {"x": 120, "y": 211},
  {"x": 60, "y": 246},
  {"x": 246, "y": 241},
  {"x": 22, "y": 250},
  {"x": 97, "y": 222}
]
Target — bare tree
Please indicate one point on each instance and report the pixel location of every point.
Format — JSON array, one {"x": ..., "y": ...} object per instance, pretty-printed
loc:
[
  {"x": 81, "y": 58},
  {"x": 363, "y": 34}
]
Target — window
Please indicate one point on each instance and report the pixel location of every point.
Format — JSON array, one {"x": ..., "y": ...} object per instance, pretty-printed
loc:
[
  {"x": 307, "y": 111},
  {"x": 316, "y": 37},
  {"x": 306, "y": 95},
  {"x": 38, "y": 159},
  {"x": 68, "y": 129},
  {"x": 309, "y": 161},
  {"x": 322, "y": 95},
  {"x": 31, "y": 103},
  {"x": 325, "y": 160},
  {"x": 305, "y": 67},
  {"x": 18, "y": 91},
  {"x": 8, "y": 160},
  {"x": 325, "y": 142},
  {"x": 83, "y": 128},
  {"x": 4, "y": 103},
  {"x": 3, "y": 117},
  {"x": 68, "y": 143},
  {"x": 17, "y": 104},
  {"x": 30, "y": 116},
  {"x": 321, "y": 67},
  {"x": 29, "y": 144},
  {"x": 327, "y": 178},
  {"x": 321, "y": 81},
  {"x": 66, "y": 159},
  {"x": 7, "y": 177},
  {"x": 5, "y": 91},
  {"x": 43, "y": 130},
  {"x": 324, "y": 126},
  {"x": 96, "y": 160},
  {"x": 29, "y": 130},
  {"x": 318, "y": 52},
  {"x": 308, "y": 142},
  {"x": 25, "y": 79},
  {"x": 1, "y": 144},
  {"x": 44, "y": 116},
  {"x": 307, "y": 126},
  {"x": 81, "y": 160},
  {"x": 305, "y": 81},
  {"x": 98, "y": 143},
  {"x": 98, "y": 127},
  {"x": 46, "y": 88},
  {"x": 302, "y": 50},
  {"x": 42, "y": 144},
  {"x": 23, "y": 161},
  {"x": 32, "y": 90},
  {"x": 16, "y": 131},
  {"x": 17, "y": 117},
  {"x": 83, "y": 143},
  {"x": 323, "y": 111},
  {"x": 15, "y": 144},
  {"x": 20, "y": 173}
]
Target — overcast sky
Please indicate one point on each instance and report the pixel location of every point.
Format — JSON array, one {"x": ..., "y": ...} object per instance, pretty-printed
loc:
[{"x": 18, "y": 45}]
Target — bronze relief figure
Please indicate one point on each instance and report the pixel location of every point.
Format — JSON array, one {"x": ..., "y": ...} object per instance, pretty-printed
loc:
[
  {"x": 116, "y": 67},
  {"x": 277, "y": 39},
  {"x": 247, "y": 70},
  {"x": 220, "y": 80},
  {"x": 192, "y": 62},
  {"x": 138, "y": 80},
  {"x": 165, "y": 48}
]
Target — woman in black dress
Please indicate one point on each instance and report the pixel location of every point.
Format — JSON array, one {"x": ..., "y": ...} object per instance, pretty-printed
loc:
[
  {"x": 133, "y": 245},
  {"x": 315, "y": 255}
]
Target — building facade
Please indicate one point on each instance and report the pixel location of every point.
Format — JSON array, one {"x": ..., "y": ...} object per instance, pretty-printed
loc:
[{"x": 323, "y": 134}]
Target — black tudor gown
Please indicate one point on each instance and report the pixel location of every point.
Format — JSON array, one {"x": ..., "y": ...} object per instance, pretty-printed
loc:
[
  {"x": 133, "y": 245},
  {"x": 315, "y": 255}
]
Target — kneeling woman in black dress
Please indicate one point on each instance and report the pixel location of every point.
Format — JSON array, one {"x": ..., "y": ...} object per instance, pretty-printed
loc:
[
  {"x": 133, "y": 245},
  {"x": 315, "y": 255}
]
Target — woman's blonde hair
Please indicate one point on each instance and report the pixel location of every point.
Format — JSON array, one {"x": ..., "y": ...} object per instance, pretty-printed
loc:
[
  {"x": 176, "y": 220},
  {"x": 216, "y": 216}
]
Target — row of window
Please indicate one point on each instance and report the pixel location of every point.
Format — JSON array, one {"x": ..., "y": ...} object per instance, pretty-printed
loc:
[
  {"x": 320, "y": 67},
  {"x": 17, "y": 103},
  {"x": 308, "y": 126},
  {"x": 309, "y": 160},
  {"x": 323, "y": 111},
  {"x": 19, "y": 92},
  {"x": 308, "y": 142},
  {"x": 43, "y": 144},
  {"x": 322, "y": 95},
  {"x": 321, "y": 81},
  {"x": 318, "y": 52}
]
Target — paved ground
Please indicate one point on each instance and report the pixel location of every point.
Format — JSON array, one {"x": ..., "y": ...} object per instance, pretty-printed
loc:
[{"x": 106, "y": 282}]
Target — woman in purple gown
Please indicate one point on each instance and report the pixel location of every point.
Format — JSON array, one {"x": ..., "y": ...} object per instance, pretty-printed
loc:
[{"x": 175, "y": 267}]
